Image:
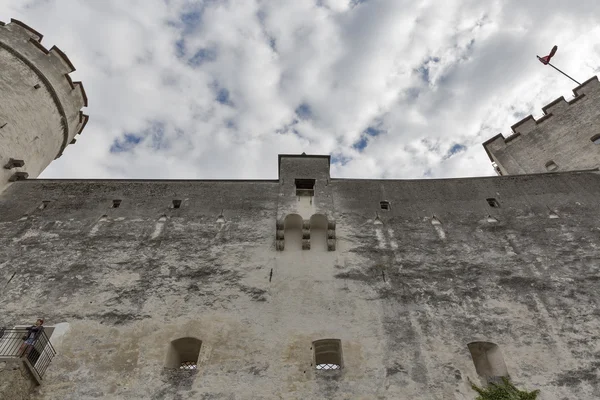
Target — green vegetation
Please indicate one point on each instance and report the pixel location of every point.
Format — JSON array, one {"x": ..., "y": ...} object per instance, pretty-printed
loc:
[{"x": 503, "y": 391}]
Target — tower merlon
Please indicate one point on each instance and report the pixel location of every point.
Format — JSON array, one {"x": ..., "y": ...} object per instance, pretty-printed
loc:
[
  {"x": 588, "y": 86},
  {"x": 25, "y": 30}
]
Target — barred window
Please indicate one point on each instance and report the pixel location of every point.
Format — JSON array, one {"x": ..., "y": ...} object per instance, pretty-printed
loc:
[
  {"x": 189, "y": 365},
  {"x": 183, "y": 354},
  {"x": 328, "y": 354}
]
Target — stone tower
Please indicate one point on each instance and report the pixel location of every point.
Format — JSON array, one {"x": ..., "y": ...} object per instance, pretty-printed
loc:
[
  {"x": 566, "y": 138},
  {"x": 40, "y": 106}
]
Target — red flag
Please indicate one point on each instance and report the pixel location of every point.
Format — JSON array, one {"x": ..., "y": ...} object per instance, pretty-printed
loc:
[{"x": 546, "y": 60}]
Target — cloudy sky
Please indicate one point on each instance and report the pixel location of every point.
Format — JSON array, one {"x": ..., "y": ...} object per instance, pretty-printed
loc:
[{"x": 390, "y": 88}]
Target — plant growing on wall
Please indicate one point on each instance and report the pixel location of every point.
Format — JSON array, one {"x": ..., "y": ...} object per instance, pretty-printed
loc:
[{"x": 503, "y": 391}]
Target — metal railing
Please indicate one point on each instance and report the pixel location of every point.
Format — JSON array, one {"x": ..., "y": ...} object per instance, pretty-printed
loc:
[{"x": 38, "y": 355}]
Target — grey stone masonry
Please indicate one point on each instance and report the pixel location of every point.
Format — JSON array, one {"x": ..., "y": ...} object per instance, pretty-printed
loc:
[
  {"x": 411, "y": 293},
  {"x": 16, "y": 382},
  {"x": 40, "y": 106},
  {"x": 566, "y": 138}
]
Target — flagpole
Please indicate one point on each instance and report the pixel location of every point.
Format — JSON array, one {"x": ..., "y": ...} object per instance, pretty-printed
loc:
[{"x": 539, "y": 58}]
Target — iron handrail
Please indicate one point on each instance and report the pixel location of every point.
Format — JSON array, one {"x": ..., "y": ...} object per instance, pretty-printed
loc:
[{"x": 39, "y": 354}]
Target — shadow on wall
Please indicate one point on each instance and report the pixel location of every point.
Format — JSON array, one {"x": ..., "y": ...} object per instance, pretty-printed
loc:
[
  {"x": 293, "y": 232},
  {"x": 318, "y": 232}
]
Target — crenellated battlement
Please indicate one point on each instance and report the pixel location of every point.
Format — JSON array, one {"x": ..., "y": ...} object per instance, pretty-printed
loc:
[
  {"x": 53, "y": 68},
  {"x": 579, "y": 114},
  {"x": 554, "y": 108}
]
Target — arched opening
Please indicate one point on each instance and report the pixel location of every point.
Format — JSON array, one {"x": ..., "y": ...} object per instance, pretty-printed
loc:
[
  {"x": 328, "y": 354},
  {"x": 488, "y": 360},
  {"x": 183, "y": 354},
  {"x": 292, "y": 226},
  {"x": 318, "y": 232}
]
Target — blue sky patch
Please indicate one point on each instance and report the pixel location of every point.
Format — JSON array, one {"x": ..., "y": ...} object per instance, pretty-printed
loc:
[
  {"x": 154, "y": 137},
  {"x": 372, "y": 131},
  {"x": 456, "y": 148},
  {"x": 340, "y": 159},
  {"x": 191, "y": 19},
  {"x": 303, "y": 111},
  {"x": 287, "y": 127},
  {"x": 203, "y": 56},
  {"x": 223, "y": 97},
  {"x": 126, "y": 143},
  {"x": 361, "y": 144},
  {"x": 180, "y": 48}
]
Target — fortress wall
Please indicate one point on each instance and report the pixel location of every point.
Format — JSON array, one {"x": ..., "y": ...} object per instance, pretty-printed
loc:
[
  {"x": 404, "y": 297},
  {"x": 562, "y": 135},
  {"x": 15, "y": 380}
]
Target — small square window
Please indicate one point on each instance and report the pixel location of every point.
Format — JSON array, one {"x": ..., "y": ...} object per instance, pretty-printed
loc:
[
  {"x": 493, "y": 202},
  {"x": 183, "y": 354},
  {"x": 328, "y": 354},
  {"x": 595, "y": 139},
  {"x": 305, "y": 187},
  {"x": 551, "y": 166},
  {"x": 116, "y": 203},
  {"x": 176, "y": 203},
  {"x": 385, "y": 205},
  {"x": 44, "y": 204}
]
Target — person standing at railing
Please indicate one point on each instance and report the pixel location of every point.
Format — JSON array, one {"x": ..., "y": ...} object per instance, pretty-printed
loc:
[{"x": 33, "y": 333}]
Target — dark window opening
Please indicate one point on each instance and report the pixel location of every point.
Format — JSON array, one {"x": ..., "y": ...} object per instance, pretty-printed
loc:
[
  {"x": 595, "y": 139},
  {"x": 328, "y": 354},
  {"x": 44, "y": 204},
  {"x": 488, "y": 361},
  {"x": 551, "y": 166},
  {"x": 493, "y": 202},
  {"x": 305, "y": 187},
  {"x": 176, "y": 203},
  {"x": 116, "y": 203},
  {"x": 183, "y": 354},
  {"x": 385, "y": 205},
  {"x": 36, "y": 86}
]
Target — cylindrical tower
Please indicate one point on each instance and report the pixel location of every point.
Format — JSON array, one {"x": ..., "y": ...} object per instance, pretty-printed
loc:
[{"x": 40, "y": 106}]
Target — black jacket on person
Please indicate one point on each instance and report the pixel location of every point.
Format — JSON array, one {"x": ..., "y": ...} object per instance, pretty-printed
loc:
[{"x": 34, "y": 331}]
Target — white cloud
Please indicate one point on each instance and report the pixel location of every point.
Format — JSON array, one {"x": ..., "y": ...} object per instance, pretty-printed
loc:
[{"x": 212, "y": 88}]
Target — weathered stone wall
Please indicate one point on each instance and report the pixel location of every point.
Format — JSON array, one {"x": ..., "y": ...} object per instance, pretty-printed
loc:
[
  {"x": 39, "y": 104},
  {"x": 15, "y": 380},
  {"x": 405, "y": 297},
  {"x": 563, "y": 135}
]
